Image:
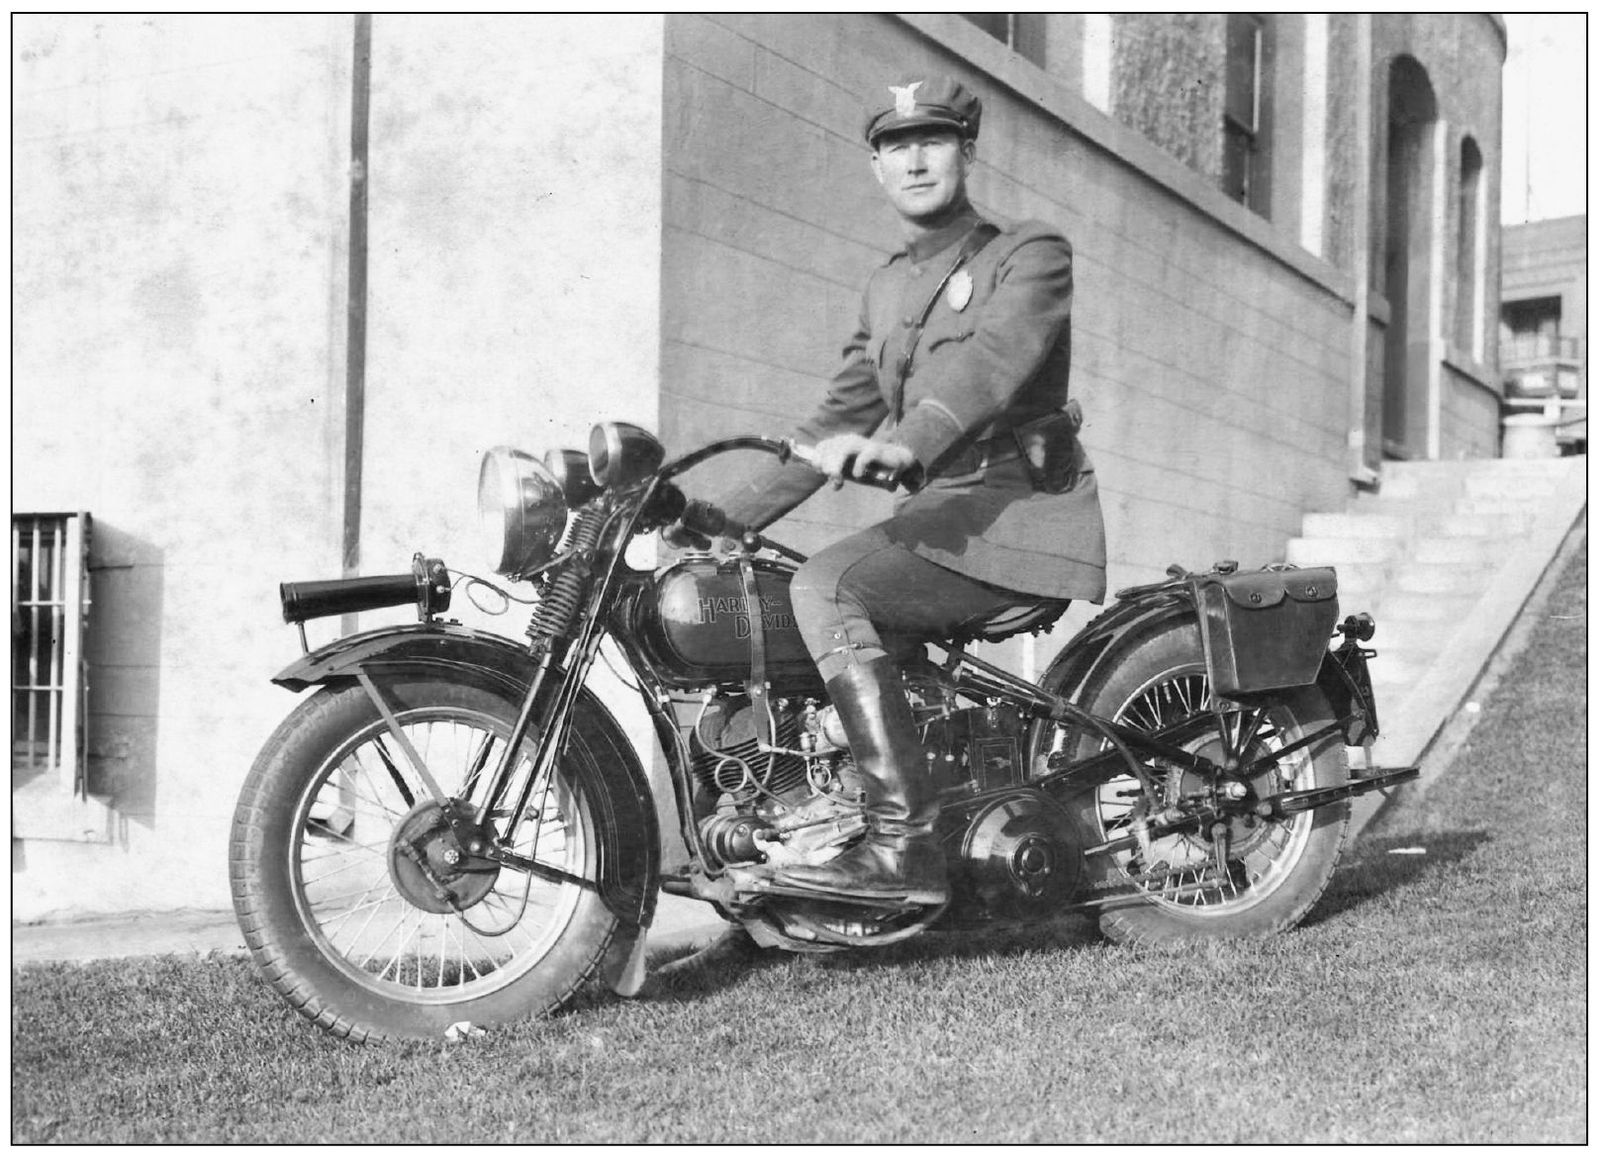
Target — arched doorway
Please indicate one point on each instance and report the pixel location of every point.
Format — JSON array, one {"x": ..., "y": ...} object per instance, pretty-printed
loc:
[{"x": 1410, "y": 237}]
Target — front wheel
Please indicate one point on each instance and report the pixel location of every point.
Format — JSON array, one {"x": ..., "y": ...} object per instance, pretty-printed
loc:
[
  {"x": 1258, "y": 875},
  {"x": 357, "y": 904}
]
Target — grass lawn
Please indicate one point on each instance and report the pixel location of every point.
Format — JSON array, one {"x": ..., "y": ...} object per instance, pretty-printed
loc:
[{"x": 1437, "y": 994}]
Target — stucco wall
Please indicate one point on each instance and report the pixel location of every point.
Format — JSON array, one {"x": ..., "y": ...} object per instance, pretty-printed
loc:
[
  {"x": 181, "y": 268},
  {"x": 1213, "y": 376},
  {"x": 514, "y": 249},
  {"x": 177, "y": 324}
]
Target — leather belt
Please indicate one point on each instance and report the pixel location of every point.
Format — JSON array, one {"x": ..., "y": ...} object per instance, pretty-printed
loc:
[{"x": 982, "y": 454}]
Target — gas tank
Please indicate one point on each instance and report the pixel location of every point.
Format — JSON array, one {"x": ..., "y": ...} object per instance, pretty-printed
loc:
[{"x": 693, "y": 623}]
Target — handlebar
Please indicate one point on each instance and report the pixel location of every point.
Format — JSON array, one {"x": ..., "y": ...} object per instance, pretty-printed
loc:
[
  {"x": 694, "y": 522},
  {"x": 887, "y": 479}
]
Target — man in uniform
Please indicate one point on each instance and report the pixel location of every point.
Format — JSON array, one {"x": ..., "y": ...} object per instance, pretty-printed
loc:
[{"x": 956, "y": 380}]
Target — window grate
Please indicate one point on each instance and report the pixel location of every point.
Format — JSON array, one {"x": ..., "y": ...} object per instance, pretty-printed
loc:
[{"x": 49, "y": 598}]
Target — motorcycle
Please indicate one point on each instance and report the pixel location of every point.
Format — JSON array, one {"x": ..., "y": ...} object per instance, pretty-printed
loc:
[{"x": 453, "y": 831}]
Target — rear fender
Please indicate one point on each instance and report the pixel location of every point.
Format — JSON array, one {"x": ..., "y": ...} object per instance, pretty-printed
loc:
[
  {"x": 1105, "y": 636},
  {"x": 628, "y": 823}
]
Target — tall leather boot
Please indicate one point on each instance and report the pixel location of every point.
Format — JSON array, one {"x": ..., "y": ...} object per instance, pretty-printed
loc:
[{"x": 900, "y": 855}]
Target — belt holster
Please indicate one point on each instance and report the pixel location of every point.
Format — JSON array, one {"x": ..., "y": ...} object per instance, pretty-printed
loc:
[{"x": 1050, "y": 451}]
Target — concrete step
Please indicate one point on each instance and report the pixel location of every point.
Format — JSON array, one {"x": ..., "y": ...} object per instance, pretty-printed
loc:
[
  {"x": 1426, "y": 577},
  {"x": 1378, "y": 526},
  {"x": 1342, "y": 550},
  {"x": 1511, "y": 487},
  {"x": 1503, "y": 524},
  {"x": 1482, "y": 552},
  {"x": 1420, "y": 486},
  {"x": 1527, "y": 512},
  {"x": 1415, "y": 641},
  {"x": 1395, "y": 671},
  {"x": 1399, "y": 606}
]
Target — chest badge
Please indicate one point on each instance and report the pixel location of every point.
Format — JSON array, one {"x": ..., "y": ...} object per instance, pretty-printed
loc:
[{"x": 958, "y": 292}]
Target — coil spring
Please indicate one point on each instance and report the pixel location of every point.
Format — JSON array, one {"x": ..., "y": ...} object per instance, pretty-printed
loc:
[{"x": 560, "y": 598}]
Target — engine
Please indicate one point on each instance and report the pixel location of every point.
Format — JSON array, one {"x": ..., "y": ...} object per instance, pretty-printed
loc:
[{"x": 1013, "y": 853}]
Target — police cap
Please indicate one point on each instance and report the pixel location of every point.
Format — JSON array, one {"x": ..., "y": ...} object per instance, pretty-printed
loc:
[{"x": 919, "y": 101}]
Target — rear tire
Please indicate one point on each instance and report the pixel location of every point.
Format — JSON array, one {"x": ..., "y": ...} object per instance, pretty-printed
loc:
[
  {"x": 1278, "y": 867},
  {"x": 343, "y": 924}
]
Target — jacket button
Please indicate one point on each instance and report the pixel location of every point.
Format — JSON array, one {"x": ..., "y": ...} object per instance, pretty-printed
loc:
[{"x": 908, "y": 321}]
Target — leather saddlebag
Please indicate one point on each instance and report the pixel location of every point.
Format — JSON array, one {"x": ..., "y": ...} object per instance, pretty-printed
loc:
[{"x": 1266, "y": 629}]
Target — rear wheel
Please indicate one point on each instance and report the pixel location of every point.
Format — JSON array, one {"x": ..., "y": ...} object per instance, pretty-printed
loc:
[
  {"x": 358, "y": 904},
  {"x": 1258, "y": 875}
]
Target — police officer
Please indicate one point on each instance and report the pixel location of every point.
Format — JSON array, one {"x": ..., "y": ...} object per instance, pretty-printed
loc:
[{"x": 955, "y": 379}]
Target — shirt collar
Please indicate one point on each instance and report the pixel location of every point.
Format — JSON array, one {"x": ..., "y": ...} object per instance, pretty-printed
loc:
[{"x": 930, "y": 244}]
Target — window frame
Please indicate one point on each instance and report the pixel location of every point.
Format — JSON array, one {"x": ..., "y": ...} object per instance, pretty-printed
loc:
[{"x": 1249, "y": 142}]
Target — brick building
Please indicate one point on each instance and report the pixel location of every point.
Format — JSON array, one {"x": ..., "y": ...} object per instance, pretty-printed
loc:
[
  {"x": 246, "y": 367},
  {"x": 1544, "y": 337}
]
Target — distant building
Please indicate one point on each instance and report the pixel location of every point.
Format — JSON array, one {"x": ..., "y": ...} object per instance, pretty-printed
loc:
[
  {"x": 276, "y": 287},
  {"x": 1544, "y": 337}
]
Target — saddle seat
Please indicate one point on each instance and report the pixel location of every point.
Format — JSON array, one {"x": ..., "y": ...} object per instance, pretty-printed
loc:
[{"x": 1033, "y": 613}]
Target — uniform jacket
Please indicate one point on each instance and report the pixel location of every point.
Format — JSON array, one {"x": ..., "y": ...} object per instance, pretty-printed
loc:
[{"x": 993, "y": 354}]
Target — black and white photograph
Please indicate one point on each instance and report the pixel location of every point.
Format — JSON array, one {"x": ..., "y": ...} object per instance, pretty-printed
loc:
[{"x": 799, "y": 578}]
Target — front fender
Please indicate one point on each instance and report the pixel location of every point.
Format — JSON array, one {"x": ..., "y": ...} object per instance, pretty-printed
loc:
[
  {"x": 618, "y": 791},
  {"x": 432, "y": 644}
]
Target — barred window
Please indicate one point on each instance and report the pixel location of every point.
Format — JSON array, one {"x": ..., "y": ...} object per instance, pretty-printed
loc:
[{"x": 49, "y": 595}]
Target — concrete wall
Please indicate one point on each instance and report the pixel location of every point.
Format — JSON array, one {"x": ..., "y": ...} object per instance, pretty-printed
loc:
[
  {"x": 179, "y": 203},
  {"x": 180, "y": 277},
  {"x": 514, "y": 251},
  {"x": 1210, "y": 353}
]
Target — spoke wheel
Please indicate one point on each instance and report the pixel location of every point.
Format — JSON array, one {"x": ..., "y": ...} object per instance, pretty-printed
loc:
[
  {"x": 360, "y": 906},
  {"x": 374, "y": 884},
  {"x": 1250, "y": 875}
]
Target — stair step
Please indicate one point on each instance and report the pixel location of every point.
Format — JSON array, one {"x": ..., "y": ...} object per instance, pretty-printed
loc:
[
  {"x": 1524, "y": 511},
  {"x": 1389, "y": 669},
  {"x": 1401, "y": 606},
  {"x": 1341, "y": 550},
  {"x": 1506, "y": 487},
  {"x": 1423, "y": 577},
  {"x": 1492, "y": 525},
  {"x": 1481, "y": 552},
  {"x": 1360, "y": 524}
]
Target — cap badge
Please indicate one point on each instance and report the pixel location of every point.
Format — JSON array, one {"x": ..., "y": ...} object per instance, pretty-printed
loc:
[
  {"x": 905, "y": 98},
  {"x": 958, "y": 292}
]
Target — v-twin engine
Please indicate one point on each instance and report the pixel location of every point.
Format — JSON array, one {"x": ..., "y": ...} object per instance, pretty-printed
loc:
[{"x": 798, "y": 799}]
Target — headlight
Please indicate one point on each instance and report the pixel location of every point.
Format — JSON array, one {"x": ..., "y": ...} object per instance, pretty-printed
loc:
[
  {"x": 522, "y": 512},
  {"x": 622, "y": 454}
]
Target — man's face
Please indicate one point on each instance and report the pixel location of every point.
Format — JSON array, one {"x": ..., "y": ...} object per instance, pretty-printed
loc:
[{"x": 923, "y": 170}]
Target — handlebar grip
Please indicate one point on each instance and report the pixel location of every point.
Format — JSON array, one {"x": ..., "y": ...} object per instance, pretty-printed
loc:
[{"x": 882, "y": 478}]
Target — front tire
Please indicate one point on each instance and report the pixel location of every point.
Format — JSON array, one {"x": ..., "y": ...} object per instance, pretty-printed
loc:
[
  {"x": 1278, "y": 868},
  {"x": 340, "y": 915}
]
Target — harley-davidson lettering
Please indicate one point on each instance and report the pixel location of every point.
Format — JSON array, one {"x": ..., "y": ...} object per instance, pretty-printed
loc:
[{"x": 773, "y": 613}]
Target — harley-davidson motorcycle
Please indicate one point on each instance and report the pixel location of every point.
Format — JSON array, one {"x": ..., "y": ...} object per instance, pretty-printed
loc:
[{"x": 453, "y": 831}]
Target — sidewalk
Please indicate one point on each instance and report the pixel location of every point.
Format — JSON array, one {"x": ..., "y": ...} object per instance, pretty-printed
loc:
[{"x": 679, "y": 924}]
